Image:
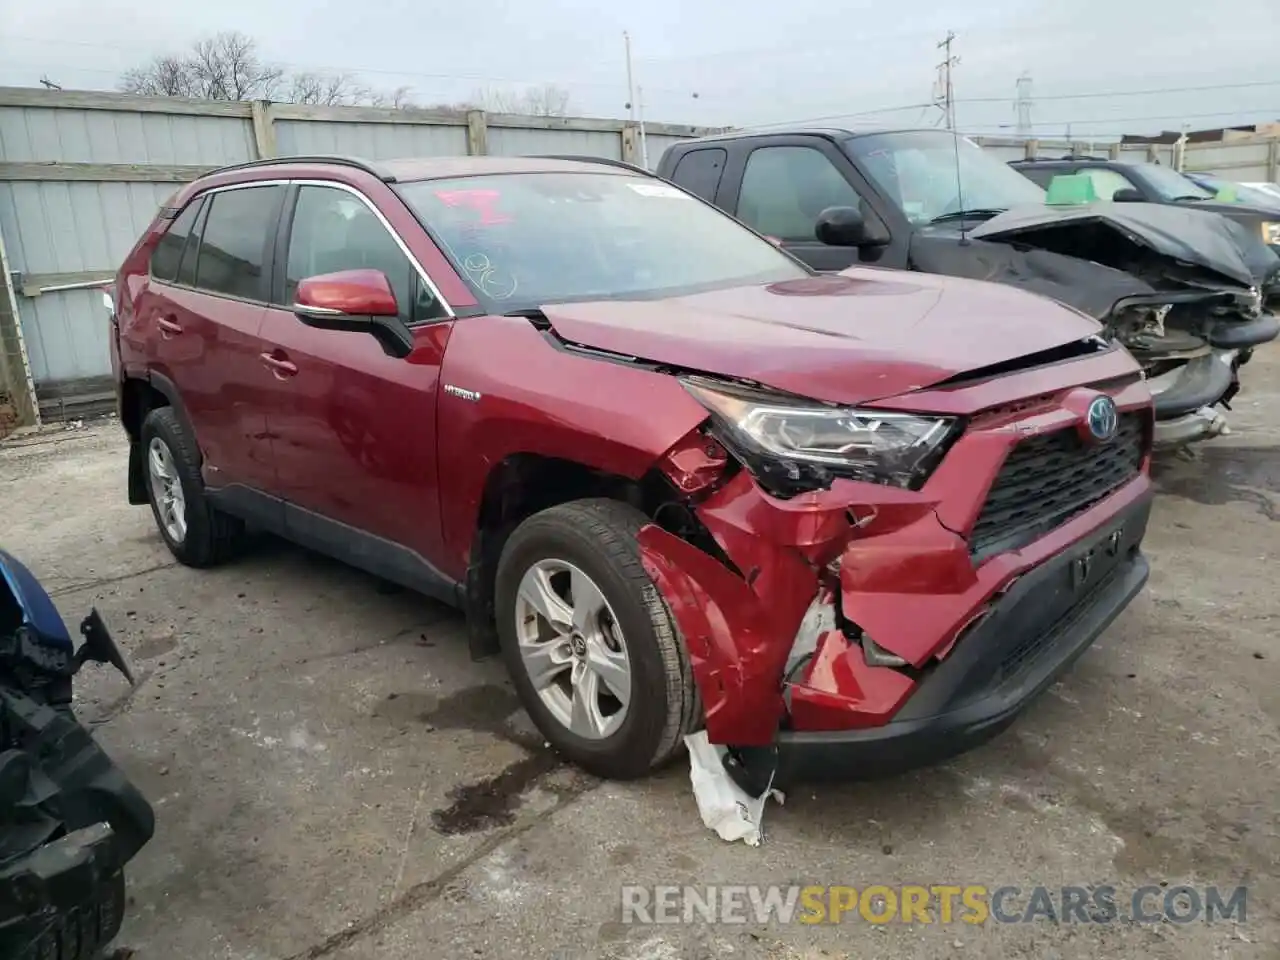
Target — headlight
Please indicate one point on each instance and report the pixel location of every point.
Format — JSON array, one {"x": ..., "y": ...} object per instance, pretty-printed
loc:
[
  {"x": 1271, "y": 233},
  {"x": 806, "y": 443}
]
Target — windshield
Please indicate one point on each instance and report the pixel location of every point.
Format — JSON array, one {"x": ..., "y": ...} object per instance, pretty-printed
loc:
[
  {"x": 919, "y": 171},
  {"x": 522, "y": 240},
  {"x": 1171, "y": 185},
  {"x": 1241, "y": 192}
]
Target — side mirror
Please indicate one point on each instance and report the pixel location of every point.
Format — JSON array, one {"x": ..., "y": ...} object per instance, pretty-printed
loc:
[
  {"x": 844, "y": 227},
  {"x": 1127, "y": 195},
  {"x": 355, "y": 301}
]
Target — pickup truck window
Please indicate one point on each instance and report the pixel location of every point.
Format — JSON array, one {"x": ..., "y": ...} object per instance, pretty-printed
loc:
[
  {"x": 699, "y": 171},
  {"x": 785, "y": 188},
  {"x": 1106, "y": 182},
  {"x": 932, "y": 173},
  {"x": 524, "y": 240}
]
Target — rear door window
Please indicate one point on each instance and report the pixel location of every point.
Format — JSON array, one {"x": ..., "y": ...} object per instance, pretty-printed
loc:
[
  {"x": 168, "y": 252},
  {"x": 233, "y": 247},
  {"x": 699, "y": 172}
]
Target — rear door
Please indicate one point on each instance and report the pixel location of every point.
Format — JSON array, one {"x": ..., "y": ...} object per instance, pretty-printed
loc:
[
  {"x": 779, "y": 186},
  {"x": 206, "y": 313},
  {"x": 354, "y": 430}
]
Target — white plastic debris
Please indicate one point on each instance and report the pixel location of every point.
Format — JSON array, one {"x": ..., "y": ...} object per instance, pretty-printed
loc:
[{"x": 723, "y": 805}]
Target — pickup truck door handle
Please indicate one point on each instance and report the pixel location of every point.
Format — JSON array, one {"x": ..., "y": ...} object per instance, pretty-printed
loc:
[
  {"x": 278, "y": 365},
  {"x": 169, "y": 327}
]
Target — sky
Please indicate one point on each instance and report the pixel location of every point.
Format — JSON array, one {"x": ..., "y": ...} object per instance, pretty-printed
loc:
[{"x": 1098, "y": 68}]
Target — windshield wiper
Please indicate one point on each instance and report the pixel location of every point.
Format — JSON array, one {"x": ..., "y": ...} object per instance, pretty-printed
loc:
[{"x": 982, "y": 213}]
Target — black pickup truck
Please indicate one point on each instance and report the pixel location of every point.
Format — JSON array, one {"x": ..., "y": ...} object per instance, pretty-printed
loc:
[
  {"x": 1124, "y": 182},
  {"x": 1189, "y": 292}
]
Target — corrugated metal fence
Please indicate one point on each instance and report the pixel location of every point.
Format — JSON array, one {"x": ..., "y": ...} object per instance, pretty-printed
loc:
[{"x": 82, "y": 174}]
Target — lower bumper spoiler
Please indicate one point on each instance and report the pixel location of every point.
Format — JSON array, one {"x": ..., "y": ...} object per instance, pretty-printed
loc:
[{"x": 1198, "y": 383}]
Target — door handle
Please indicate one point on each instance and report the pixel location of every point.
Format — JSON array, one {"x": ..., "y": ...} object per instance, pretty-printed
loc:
[
  {"x": 169, "y": 327},
  {"x": 281, "y": 368}
]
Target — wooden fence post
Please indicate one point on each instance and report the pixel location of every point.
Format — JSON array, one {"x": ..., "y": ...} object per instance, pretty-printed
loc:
[
  {"x": 477, "y": 134},
  {"x": 264, "y": 133},
  {"x": 631, "y": 142}
]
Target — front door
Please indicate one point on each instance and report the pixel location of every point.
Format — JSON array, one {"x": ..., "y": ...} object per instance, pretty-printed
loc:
[
  {"x": 783, "y": 189},
  {"x": 353, "y": 429}
]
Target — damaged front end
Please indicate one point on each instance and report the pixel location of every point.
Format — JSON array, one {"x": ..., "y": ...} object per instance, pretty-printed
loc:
[
  {"x": 870, "y": 603},
  {"x": 1203, "y": 290}
]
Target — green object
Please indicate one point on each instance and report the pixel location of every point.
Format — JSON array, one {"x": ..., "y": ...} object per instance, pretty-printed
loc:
[
  {"x": 1070, "y": 188},
  {"x": 1228, "y": 194}
]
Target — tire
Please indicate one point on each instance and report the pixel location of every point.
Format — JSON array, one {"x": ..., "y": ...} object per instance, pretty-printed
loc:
[
  {"x": 208, "y": 536},
  {"x": 598, "y": 538}
]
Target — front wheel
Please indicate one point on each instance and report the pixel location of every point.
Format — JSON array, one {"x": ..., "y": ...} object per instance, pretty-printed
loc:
[{"x": 591, "y": 646}]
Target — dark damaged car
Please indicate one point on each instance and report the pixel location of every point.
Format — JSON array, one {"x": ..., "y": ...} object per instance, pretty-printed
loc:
[
  {"x": 1188, "y": 292},
  {"x": 847, "y": 523}
]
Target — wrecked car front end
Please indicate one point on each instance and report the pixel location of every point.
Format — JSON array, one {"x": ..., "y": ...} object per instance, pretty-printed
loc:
[
  {"x": 859, "y": 618},
  {"x": 1203, "y": 291}
]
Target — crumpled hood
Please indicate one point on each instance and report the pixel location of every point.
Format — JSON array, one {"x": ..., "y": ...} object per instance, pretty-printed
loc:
[
  {"x": 1199, "y": 237},
  {"x": 860, "y": 335},
  {"x": 1090, "y": 287}
]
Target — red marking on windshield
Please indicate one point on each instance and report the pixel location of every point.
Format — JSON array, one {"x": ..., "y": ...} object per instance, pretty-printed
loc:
[{"x": 482, "y": 201}]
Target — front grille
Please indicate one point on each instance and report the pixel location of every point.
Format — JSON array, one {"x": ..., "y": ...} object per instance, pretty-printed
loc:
[{"x": 1047, "y": 480}]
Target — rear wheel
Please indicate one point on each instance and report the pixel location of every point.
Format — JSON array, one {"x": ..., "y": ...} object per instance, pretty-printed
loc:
[
  {"x": 589, "y": 642},
  {"x": 196, "y": 532}
]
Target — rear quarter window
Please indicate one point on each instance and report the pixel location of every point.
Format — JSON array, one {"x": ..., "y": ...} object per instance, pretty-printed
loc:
[{"x": 167, "y": 256}]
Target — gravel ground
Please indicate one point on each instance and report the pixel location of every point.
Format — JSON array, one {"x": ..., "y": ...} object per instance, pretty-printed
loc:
[{"x": 333, "y": 777}]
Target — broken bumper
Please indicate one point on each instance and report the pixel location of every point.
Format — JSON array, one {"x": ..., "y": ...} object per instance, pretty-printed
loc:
[
  {"x": 1042, "y": 624},
  {"x": 830, "y": 612},
  {"x": 1184, "y": 398}
]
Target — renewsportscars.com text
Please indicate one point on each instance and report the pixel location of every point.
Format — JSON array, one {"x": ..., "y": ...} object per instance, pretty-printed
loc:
[{"x": 971, "y": 904}]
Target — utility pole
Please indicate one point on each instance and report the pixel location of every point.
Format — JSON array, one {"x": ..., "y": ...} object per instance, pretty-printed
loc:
[
  {"x": 1022, "y": 107},
  {"x": 631, "y": 87},
  {"x": 944, "y": 91}
]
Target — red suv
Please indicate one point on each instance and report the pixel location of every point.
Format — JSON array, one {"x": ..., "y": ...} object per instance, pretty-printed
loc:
[{"x": 847, "y": 522}]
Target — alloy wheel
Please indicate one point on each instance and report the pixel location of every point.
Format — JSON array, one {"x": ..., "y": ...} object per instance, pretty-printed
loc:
[
  {"x": 166, "y": 490},
  {"x": 572, "y": 648}
]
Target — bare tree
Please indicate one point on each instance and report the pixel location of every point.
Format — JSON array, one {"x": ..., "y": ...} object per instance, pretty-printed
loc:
[
  {"x": 328, "y": 90},
  {"x": 227, "y": 66},
  {"x": 163, "y": 77},
  {"x": 222, "y": 67},
  {"x": 401, "y": 98},
  {"x": 547, "y": 100}
]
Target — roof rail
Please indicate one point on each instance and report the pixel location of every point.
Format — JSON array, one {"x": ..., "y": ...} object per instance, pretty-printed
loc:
[
  {"x": 605, "y": 160},
  {"x": 342, "y": 161}
]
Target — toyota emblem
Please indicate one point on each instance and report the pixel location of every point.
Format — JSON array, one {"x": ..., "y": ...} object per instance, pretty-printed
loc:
[{"x": 1102, "y": 418}]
